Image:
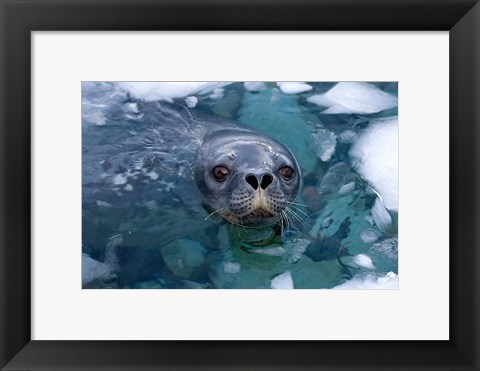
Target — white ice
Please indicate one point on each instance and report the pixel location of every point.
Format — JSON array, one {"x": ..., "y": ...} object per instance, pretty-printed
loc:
[
  {"x": 299, "y": 246},
  {"x": 388, "y": 247},
  {"x": 95, "y": 117},
  {"x": 369, "y": 219},
  {"x": 354, "y": 97},
  {"x": 254, "y": 86},
  {"x": 191, "y": 101},
  {"x": 375, "y": 156},
  {"x": 120, "y": 179},
  {"x": 347, "y": 136},
  {"x": 358, "y": 261},
  {"x": 272, "y": 251},
  {"x": 324, "y": 142},
  {"x": 103, "y": 203},
  {"x": 217, "y": 93},
  {"x": 232, "y": 268},
  {"x": 132, "y": 107},
  {"x": 380, "y": 215},
  {"x": 346, "y": 188},
  {"x": 93, "y": 269},
  {"x": 282, "y": 281},
  {"x": 167, "y": 91},
  {"x": 293, "y": 87},
  {"x": 369, "y": 235},
  {"x": 363, "y": 261},
  {"x": 152, "y": 175},
  {"x": 371, "y": 281}
]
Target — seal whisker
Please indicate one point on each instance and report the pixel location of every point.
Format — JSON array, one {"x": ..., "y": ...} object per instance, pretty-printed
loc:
[
  {"x": 300, "y": 210},
  {"x": 241, "y": 221},
  {"x": 287, "y": 222},
  {"x": 294, "y": 214},
  {"x": 281, "y": 226},
  {"x": 296, "y": 203},
  {"x": 294, "y": 219},
  {"x": 216, "y": 211}
]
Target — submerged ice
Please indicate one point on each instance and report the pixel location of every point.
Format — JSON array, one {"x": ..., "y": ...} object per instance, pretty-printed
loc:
[{"x": 323, "y": 143}]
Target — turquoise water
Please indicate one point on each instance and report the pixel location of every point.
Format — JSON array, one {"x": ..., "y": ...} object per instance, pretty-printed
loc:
[{"x": 145, "y": 225}]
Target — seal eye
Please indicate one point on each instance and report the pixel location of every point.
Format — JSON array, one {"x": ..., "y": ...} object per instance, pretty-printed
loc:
[
  {"x": 220, "y": 173},
  {"x": 286, "y": 172}
]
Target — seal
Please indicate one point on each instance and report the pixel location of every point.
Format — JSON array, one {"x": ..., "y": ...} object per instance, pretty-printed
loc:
[
  {"x": 247, "y": 177},
  {"x": 172, "y": 156}
]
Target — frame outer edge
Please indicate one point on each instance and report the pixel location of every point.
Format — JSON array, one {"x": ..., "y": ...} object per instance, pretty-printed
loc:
[
  {"x": 465, "y": 185},
  {"x": 3, "y": 337},
  {"x": 15, "y": 183},
  {"x": 15, "y": 277}
]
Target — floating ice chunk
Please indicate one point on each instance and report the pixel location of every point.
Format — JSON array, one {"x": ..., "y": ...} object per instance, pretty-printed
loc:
[
  {"x": 103, "y": 203},
  {"x": 347, "y": 136},
  {"x": 363, "y": 261},
  {"x": 326, "y": 222},
  {"x": 334, "y": 177},
  {"x": 128, "y": 188},
  {"x": 380, "y": 215},
  {"x": 354, "y": 97},
  {"x": 217, "y": 93},
  {"x": 232, "y": 268},
  {"x": 375, "y": 157},
  {"x": 369, "y": 219},
  {"x": 151, "y": 205},
  {"x": 358, "y": 261},
  {"x": 153, "y": 91},
  {"x": 120, "y": 179},
  {"x": 132, "y": 107},
  {"x": 272, "y": 251},
  {"x": 299, "y": 247},
  {"x": 369, "y": 235},
  {"x": 346, "y": 188},
  {"x": 93, "y": 269},
  {"x": 168, "y": 185},
  {"x": 152, "y": 175},
  {"x": 95, "y": 118},
  {"x": 254, "y": 86},
  {"x": 371, "y": 281},
  {"x": 293, "y": 87},
  {"x": 388, "y": 247},
  {"x": 323, "y": 142},
  {"x": 191, "y": 101},
  {"x": 282, "y": 281}
]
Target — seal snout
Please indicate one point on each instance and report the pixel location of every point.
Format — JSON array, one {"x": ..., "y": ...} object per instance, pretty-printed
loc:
[{"x": 266, "y": 180}]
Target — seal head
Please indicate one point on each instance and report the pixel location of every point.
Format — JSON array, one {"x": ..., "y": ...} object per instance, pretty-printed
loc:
[{"x": 247, "y": 177}]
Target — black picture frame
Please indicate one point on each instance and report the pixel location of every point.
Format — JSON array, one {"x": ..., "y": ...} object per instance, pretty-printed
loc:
[{"x": 18, "y": 18}]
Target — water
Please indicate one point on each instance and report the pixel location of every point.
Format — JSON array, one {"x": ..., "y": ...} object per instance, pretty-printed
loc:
[{"x": 145, "y": 224}]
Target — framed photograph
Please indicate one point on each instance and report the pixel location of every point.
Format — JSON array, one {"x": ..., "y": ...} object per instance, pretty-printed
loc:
[{"x": 239, "y": 185}]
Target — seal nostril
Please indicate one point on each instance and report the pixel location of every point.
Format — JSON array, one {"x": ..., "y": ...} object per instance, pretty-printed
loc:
[
  {"x": 266, "y": 181},
  {"x": 252, "y": 180}
]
